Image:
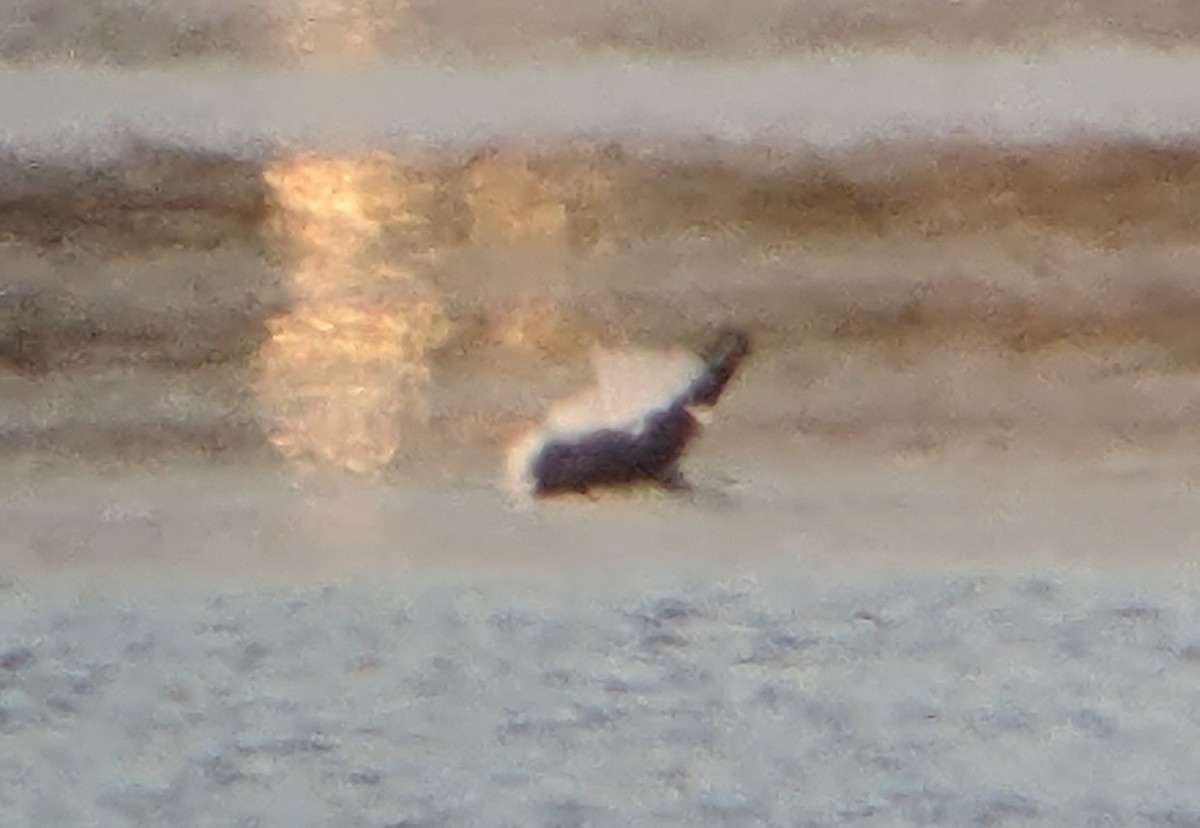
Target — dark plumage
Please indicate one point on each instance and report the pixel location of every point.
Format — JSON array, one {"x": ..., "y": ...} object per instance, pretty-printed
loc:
[{"x": 646, "y": 448}]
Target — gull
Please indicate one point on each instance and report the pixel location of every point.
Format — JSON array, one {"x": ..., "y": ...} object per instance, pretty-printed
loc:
[{"x": 632, "y": 426}]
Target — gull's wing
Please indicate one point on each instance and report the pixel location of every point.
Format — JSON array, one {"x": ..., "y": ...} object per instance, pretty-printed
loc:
[{"x": 633, "y": 383}]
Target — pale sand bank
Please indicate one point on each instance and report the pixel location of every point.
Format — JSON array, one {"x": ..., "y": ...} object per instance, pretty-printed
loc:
[{"x": 824, "y": 100}]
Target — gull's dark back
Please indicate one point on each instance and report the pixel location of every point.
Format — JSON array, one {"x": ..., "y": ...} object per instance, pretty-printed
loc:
[{"x": 608, "y": 457}]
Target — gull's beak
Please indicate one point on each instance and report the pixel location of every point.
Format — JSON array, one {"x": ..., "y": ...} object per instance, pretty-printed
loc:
[{"x": 702, "y": 413}]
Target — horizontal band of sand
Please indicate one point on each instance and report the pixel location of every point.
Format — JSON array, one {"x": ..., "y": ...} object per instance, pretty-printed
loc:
[
  {"x": 822, "y": 100},
  {"x": 143, "y": 32}
]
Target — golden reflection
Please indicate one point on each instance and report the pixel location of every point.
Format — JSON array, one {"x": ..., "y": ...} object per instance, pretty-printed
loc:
[
  {"x": 343, "y": 379},
  {"x": 344, "y": 374}
]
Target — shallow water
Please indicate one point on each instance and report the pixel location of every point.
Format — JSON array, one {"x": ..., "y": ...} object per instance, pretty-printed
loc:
[{"x": 963, "y": 701}]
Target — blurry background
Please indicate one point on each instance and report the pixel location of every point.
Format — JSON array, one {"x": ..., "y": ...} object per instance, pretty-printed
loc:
[
  {"x": 131, "y": 32},
  {"x": 378, "y": 236}
]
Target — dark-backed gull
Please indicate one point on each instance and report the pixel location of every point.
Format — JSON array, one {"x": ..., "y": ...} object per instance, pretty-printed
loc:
[{"x": 632, "y": 426}]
